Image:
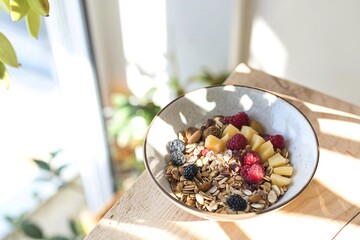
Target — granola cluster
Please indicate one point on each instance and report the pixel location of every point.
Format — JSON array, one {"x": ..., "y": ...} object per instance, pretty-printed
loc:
[{"x": 213, "y": 178}]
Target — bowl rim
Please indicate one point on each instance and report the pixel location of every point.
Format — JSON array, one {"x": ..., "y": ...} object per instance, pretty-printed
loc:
[{"x": 230, "y": 217}]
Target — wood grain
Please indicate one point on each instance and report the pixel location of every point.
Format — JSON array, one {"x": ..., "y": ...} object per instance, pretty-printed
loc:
[{"x": 327, "y": 209}]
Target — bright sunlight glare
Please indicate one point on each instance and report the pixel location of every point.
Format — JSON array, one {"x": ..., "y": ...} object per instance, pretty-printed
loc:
[
  {"x": 135, "y": 231},
  {"x": 266, "y": 45},
  {"x": 145, "y": 45},
  {"x": 339, "y": 128},
  {"x": 339, "y": 162}
]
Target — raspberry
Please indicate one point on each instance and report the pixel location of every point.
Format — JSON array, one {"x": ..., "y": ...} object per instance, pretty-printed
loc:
[
  {"x": 277, "y": 140},
  {"x": 177, "y": 145},
  {"x": 190, "y": 172},
  {"x": 238, "y": 120},
  {"x": 252, "y": 173},
  {"x": 237, "y": 142},
  {"x": 236, "y": 202},
  {"x": 251, "y": 158},
  {"x": 177, "y": 158}
]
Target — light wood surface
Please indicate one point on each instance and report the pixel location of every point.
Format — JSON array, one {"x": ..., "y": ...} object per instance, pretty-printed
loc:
[{"x": 329, "y": 208}]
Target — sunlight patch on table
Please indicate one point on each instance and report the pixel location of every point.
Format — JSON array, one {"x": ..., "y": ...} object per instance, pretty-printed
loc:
[
  {"x": 322, "y": 109},
  {"x": 203, "y": 229},
  {"x": 332, "y": 165},
  {"x": 284, "y": 225},
  {"x": 136, "y": 231},
  {"x": 339, "y": 128},
  {"x": 351, "y": 230}
]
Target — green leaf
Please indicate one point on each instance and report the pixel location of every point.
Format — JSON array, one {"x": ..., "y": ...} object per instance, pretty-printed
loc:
[
  {"x": 10, "y": 220},
  {"x": 15, "y": 221},
  {"x": 41, "y": 7},
  {"x": 76, "y": 227},
  {"x": 43, "y": 179},
  {"x": 59, "y": 238},
  {"x": 33, "y": 23},
  {"x": 32, "y": 230},
  {"x": 7, "y": 52},
  {"x": 18, "y": 9},
  {"x": 4, "y": 77},
  {"x": 2, "y": 71},
  {"x": 41, "y": 164},
  {"x": 55, "y": 153},
  {"x": 59, "y": 170},
  {"x": 119, "y": 100},
  {"x": 5, "y": 6}
]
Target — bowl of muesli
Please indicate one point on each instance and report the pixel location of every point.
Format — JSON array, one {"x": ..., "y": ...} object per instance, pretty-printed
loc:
[{"x": 230, "y": 152}]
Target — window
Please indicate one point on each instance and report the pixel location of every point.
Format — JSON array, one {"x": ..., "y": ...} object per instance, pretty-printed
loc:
[{"x": 53, "y": 103}]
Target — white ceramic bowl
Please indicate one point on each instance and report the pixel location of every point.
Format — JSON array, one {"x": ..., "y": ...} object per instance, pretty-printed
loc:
[{"x": 273, "y": 112}]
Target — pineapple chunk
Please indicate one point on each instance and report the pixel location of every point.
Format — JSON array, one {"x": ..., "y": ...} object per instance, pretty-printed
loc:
[
  {"x": 214, "y": 143},
  {"x": 256, "y": 141},
  {"x": 265, "y": 150},
  {"x": 279, "y": 180},
  {"x": 248, "y": 132},
  {"x": 225, "y": 138},
  {"x": 231, "y": 130},
  {"x": 277, "y": 160},
  {"x": 283, "y": 170}
]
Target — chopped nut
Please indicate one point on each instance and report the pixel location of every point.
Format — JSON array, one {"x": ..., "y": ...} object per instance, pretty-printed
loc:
[
  {"x": 212, "y": 130},
  {"x": 272, "y": 196},
  {"x": 199, "y": 198},
  {"x": 190, "y": 131},
  {"x": 175, "y": 173},
  {"x": 254, "y": 198},
  {"x": 257, "y": 205},
  {"x": 247, "y": 192},
  {"x": 276, "y": 189},
  {"x": 257, "y": 127},
  {"x": 195, "y": 137}
]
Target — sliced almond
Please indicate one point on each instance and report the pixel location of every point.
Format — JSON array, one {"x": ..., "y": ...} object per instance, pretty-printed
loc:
[
  {"x": 272, "y": 196},
  {"x": 276, "y": 189},
  {"x": 199, "y": 198},
  {"x": 195, "y": 137}
]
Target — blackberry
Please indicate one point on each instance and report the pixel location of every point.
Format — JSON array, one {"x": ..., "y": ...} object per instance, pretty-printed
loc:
[
  {"x": 177, "y": 145},
  {"x": 190, "y": 172},
  {"x": 236, "y": 202},
  {"x": 177, "y": 158}
]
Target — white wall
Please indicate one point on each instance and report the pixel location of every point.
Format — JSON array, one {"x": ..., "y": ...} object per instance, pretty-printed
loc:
[
  {"x": 314, "y": 43},
  {"x": 200, "y": 36},
  {"x": 165, "y": 39}
]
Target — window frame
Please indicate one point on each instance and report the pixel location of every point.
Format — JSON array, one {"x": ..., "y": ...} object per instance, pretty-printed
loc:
[{"x": 77, "y": 76}]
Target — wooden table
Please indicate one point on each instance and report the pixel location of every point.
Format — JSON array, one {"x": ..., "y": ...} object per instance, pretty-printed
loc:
[{"x": 328, "y": 209}]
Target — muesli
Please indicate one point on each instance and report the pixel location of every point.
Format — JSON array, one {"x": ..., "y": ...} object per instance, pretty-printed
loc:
[{"x": 228, "y": 165}]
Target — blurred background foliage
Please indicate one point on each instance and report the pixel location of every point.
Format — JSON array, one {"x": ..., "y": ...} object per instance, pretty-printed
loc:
[{"x": 128, "y": 122}]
